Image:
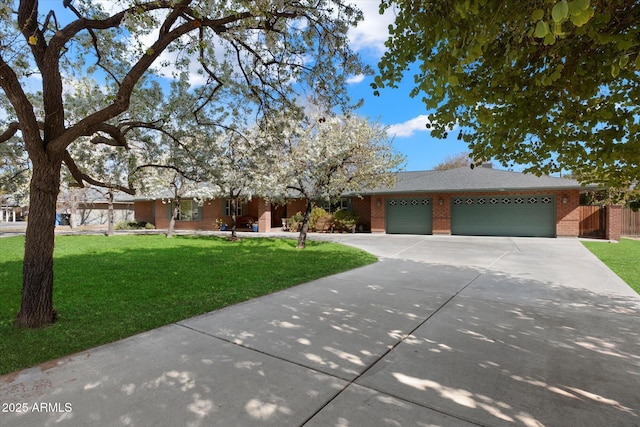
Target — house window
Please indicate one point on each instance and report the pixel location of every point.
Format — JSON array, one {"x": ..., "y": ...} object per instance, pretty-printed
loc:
[
  {"x": 240, "y": 207},
  {"x": 343, "y": 204},
  {"x": 187, "y": 211}
]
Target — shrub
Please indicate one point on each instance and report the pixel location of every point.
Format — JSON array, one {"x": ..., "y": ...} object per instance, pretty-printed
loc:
[
  {"x": 345, "y": 221},
  {"x": 295, "y": 222},
  {"x": 319, "y": 220},
  {"x": 122, "y": 225},
  {"x": 134, "y": 225}
]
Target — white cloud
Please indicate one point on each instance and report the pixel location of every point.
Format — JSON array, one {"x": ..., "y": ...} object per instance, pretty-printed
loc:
[
  {"x": 355, "y": 79},
  {"x": 372, "y": 32},
  {"x": 408, "y": 128}
]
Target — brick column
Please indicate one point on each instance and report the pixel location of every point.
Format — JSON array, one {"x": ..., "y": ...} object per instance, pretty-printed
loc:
[
  {"x": 614, "y": 222},
  {"x": 377, "y": 214},
  {"x": 264, "y": 216},
  {"x": 441, "y": 214}
]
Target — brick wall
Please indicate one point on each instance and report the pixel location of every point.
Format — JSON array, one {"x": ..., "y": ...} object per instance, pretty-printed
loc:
[
  {"x": 362, "y": 208},
  {"x": 567, "y": 214},
  {"x": 264, "y": 215},
  {"x": 441, "y": 213},
  {"x": 614, "y": 222},
  {"x": 295, "y": 206},
  {"x": 211, "y": 210},
  {"x": 377, "y": 214},
  {"x": 143, "y": 211}
]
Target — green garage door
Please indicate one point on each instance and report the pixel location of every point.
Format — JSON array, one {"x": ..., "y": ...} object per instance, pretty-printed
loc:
[
  {"x": 524, "y": 215},
  {"x": 409, "y": 216}
]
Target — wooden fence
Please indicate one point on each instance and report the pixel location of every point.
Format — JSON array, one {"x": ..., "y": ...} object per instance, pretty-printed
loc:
[
  {"x": 630, "y": 222},
  {"x": 593, "y": 221}
]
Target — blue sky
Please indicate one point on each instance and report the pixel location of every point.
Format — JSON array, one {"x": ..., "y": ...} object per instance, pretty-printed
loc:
[{"x": 405, "y": 116}]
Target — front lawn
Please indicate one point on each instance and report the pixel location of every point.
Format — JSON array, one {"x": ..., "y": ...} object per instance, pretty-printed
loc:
[
  {"x": 108, "y": 288},
  {"x": 622, "y": 258}
]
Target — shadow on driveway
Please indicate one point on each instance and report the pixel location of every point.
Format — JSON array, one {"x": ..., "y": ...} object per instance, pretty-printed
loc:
[{"x": 401, "y": 342}]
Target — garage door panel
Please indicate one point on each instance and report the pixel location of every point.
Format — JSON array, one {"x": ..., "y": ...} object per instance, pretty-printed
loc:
[
  {"x": 525, "y": 215},
  {"x": 409, "y": 216}
]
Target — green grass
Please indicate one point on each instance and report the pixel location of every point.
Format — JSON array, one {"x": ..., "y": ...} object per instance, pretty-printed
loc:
[
  {"x": 622, "y": 258},
  {"x": 110, "y": 288}
]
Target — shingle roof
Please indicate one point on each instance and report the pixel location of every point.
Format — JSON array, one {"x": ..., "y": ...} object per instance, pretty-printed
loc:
[
  {"x": 478, "y": 179},
  {"x": 453, "y": 180}
]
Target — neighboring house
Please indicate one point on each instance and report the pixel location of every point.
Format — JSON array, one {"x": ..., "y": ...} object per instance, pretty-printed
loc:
[
  {"x": 10, "y": 209},
  {"x": 90, "y": 206},
  {"x": 462, "y": 201}
]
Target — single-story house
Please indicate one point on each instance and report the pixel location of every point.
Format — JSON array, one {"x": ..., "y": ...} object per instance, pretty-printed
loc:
[
  {"x": 90, "y": 206},
  {"x": 10, "y": 209},
  {"x": 463, "y": 201}
]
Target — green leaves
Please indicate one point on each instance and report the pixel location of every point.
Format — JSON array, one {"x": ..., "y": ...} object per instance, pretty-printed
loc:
[
  {"x": 550, "y": 84},
  {"x": 560, "y": 11},
  {"x": 542, "y": 29},
  {"x": 615, "y": 70},
  {"x": 582, "y": 17},
  {"x": 542, "y": 32},
  {"x": 580, "y": 12},
  {"x": 537, "y": 15},
  {"x": 577, "y": 6}
]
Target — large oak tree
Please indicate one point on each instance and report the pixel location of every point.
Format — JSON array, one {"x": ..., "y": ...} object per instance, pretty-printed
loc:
[
  {"x": 551, "y": 84},
  {"x": 262, "y": 50}
]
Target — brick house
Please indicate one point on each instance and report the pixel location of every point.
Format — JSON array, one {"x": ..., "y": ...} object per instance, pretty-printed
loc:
[{"x": 464, "y": 201}]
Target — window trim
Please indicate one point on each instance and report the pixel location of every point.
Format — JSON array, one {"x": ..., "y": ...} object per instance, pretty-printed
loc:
[
  {"x": 240, "y": 208},
  {"x": 195, "y": 210}
]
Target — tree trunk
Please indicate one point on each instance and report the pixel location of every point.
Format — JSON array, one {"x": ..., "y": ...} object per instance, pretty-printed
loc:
[
  {"x": 234, "y": 204},
  {"x": 73, "y": 209},
  {"x": 172, "y": 221},
  {"x": 304, "y": 228},
  {"x": 36, "y": 309},
  {"x": 110, "y": 214}
]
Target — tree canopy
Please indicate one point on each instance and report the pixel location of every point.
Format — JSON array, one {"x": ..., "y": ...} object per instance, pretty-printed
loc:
[
  {"x": 454, "y": 161},
  {"x": 268, "y": 53},
  {"x": 548, "y": 84},
  {"x": 324, "y": 157}
]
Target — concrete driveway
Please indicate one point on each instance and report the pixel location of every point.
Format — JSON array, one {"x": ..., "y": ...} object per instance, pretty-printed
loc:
[{"x": 445, "y": 331}]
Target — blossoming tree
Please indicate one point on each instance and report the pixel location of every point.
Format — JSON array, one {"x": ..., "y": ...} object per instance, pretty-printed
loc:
[
  {"x": 325, "y": 157},
  {"x": 263, "y": 50},
  {"x": 244, "y": 166}
]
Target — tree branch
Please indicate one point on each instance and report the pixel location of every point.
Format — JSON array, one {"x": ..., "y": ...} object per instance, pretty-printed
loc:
[
  {"x": 180, "y": 171},
  {"x": 28, "y": 24},
  {"x": 8, "y": 179},
  {"x": 122, "y": 99},
  {"x": 117, "y": 136},
  {"x": 81, "y": 177},
  {"x": 11, "y": 130},
  {"x": 173, "y": 16},
  {"x": 211, "y": 74},
  {"x": 10, "y": 83},
  {"x": 123, "y": 96}
]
